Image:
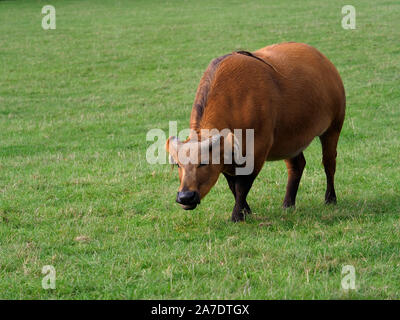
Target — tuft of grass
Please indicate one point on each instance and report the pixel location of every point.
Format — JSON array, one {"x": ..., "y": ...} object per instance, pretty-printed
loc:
[{"x": 77, "y": 193}]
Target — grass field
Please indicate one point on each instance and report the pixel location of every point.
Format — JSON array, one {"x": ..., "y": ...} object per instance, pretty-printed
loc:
[{"x": 77, "y": 193}]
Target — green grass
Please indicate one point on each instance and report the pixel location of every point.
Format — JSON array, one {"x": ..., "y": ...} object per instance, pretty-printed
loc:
[{"x": 76, "y": 104}]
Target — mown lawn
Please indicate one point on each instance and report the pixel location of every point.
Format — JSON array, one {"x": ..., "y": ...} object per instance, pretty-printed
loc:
[{"x": 77, "y": 193}]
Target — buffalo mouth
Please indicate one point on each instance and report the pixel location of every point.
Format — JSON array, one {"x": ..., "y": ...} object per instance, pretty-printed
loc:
[{"x": 188, "y": 206}]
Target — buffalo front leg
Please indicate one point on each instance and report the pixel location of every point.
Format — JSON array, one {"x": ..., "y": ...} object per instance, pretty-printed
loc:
[
  {"x": 295, "y": 167},
  {"x": 242, "y": 186},
  {"x": 231, "y": 183}
]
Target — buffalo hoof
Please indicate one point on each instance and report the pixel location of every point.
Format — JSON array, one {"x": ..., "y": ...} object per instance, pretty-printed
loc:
[
  {"x": 247, "y": 210},
  {"x": 237, "y": 219},
  {"x": 288, "y": 205},
  {"x": 238, "y": 216},
  {"x": 331, "y": 201}
]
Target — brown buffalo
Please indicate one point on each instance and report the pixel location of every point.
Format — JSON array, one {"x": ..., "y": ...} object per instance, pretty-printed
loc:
[{"x": 289, "y": 94}]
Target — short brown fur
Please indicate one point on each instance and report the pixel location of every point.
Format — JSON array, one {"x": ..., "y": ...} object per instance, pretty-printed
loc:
[{"x": 289, "y": 94}]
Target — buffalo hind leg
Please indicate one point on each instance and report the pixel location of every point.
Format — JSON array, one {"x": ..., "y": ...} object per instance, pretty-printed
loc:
[
  {"x": 242, "y": 188},
  {"x": 231, "y": 183},
  {"x": 295, "y": 167},
  {"x": 329, "y": 142}
]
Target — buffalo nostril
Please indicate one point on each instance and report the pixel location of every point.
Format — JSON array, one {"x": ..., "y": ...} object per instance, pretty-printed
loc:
[{"x": 185, "y": 197}]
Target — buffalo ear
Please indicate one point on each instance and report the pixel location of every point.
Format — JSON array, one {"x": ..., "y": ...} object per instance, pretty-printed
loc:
[
  {"x": 172, "y": 147},
  {"x": 172, "y": 144},
  {"x": 230, "y": 140},
  {"x": 172, "y": 160},
  {"x": 231, "y": 144},
  {"x": 167, "y": 143}
]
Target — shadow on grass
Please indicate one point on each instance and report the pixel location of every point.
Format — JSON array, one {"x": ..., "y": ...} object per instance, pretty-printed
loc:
[{"x": 306, "y": 213}]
